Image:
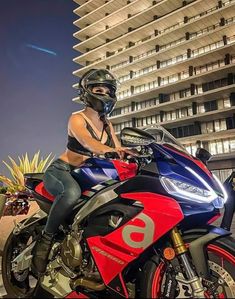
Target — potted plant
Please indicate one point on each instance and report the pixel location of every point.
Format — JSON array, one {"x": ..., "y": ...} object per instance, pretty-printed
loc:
[
  {"x": 3, "y": 197},
  {"x": 13, "y": 193}
]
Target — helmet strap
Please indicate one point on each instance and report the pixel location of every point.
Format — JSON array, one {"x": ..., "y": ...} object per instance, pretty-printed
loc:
[{"x": 104, "y": 120}]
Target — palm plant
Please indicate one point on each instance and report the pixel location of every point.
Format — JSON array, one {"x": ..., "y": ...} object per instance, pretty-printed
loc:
[{"x": 18, "y": 169}]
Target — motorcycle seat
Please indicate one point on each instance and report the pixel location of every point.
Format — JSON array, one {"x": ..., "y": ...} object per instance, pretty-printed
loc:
[{"x": 33, "y": 179}]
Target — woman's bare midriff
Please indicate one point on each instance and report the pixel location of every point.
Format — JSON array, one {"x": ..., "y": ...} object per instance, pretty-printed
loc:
[{"x": 73, "y": 158}]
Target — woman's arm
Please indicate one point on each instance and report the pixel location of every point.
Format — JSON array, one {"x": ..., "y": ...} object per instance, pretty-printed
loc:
[
  {"x": 120, "y": 150},
  {"x": 77, "y": 126}
]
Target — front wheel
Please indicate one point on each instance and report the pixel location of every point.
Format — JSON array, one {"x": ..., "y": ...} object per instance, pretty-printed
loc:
[
  {"x": 221, "y": 260},
  {"x": 18, "y": 284}
]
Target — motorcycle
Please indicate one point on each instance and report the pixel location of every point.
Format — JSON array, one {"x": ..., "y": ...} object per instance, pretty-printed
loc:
[{"x": 144, "y": 229}]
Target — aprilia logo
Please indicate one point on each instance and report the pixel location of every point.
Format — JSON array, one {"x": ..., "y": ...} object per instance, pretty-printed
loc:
[{"x": 147, "y": 231}]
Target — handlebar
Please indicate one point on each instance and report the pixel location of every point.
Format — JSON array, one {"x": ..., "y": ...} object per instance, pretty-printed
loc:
[
  {"x": 111, "y": 155},
  {"x": 140, "y": 159}
]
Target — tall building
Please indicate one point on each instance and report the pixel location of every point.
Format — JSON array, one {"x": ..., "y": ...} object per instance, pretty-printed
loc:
[{"x": 176, "y": 64}]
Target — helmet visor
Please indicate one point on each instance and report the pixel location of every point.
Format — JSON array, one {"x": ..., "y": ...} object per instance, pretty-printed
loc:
[{"x": 100, "y": 76}]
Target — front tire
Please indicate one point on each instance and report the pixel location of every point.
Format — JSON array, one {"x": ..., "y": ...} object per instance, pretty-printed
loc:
[
  {"x": 20, "y": 284},
  {"x": 221, "y": 257}
]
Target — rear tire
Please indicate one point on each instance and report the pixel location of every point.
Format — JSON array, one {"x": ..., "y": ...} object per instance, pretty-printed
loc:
[
  {"x": 221, "y": 257},
  {"x": 18, "y": 285}
]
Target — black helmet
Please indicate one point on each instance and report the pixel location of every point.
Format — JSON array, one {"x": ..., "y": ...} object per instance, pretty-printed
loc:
[{"x": 102, "y": 103}]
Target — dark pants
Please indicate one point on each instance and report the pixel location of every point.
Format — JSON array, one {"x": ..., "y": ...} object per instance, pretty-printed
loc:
[{"x": 59, "y": 182}]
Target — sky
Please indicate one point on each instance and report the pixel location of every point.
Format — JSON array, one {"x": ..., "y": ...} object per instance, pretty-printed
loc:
[{"x": 36, "y": 40}]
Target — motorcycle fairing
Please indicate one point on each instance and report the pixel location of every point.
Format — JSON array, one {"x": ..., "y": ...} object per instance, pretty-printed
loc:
[
  {"x": 189, "y": 157},
  {"x": 118, "y": 286},
  {"x": 74, "y": 294},
  {"x": 113, "y": 252},
  {"x": 125, "y": 170},
  {"x": 95, "y": 171},
  {"x": 179, "y": 170},
  {"x": 40, "y": 189},
  {"x": 92, "y": 174}
]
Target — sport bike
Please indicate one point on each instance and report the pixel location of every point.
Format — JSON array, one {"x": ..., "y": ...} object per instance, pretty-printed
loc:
[{"x": 143, "y": 231}]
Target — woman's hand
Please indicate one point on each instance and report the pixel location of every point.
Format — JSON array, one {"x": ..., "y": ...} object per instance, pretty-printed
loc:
[{"x": 121, "y": 151}]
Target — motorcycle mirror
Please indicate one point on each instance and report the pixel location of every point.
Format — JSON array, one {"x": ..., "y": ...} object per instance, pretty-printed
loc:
[
  {"x": 203, "y": 155},
  {"x": 135, "y": 137}
]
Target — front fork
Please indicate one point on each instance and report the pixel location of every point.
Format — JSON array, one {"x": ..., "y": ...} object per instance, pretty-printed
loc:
[
  {"x": 198, "y": 253},
  {"x": 192, "y": 278}
]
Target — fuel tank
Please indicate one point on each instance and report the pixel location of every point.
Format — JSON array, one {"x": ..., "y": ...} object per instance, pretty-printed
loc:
[{"x": 95, "y": 171}]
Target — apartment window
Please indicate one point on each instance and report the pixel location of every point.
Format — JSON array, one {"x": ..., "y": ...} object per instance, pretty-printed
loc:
[
  {"x": 214, "y": 84},
  {"x": 227, "y": 103},
  {"x": 221, "y": 146},
  {"x": 168, "y": 116},
  {"x": 232, "y": 145},
  {"x": 210, "y": 127},
  {"x": 123, "y": 94},
  {"x": 153, "y": 120},
  {"x": 200, "y": 108},
  {"x": 230, "y": 20},
  {"x": 149, "y": 120},
  {"x": 212, "y": 148},
  {"x": 226, "y": 146},
  {"x": 179, "y": 58},
  {"x": 190, "y": 111},
  {"x": 231, "y": 39},
  {"x": 220, "y": 125},
  {"x": 139, "y": 122},
  {"x": 184, "y": 112},
  {"x": 210, "y": 105},
  {"x": 191, "y": 148},
  {"x": 117, "y": 111},
  {"x": 119, "y": 127},
  {"x": 207, "y": 127},
  {"x": 230, "y": 123},
  {"x": 172, "y": 96},
  {"x": 173, "y": 115}
]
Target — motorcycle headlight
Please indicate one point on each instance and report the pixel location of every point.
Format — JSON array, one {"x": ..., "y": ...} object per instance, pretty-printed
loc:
[{"x": 188, "y": 191}]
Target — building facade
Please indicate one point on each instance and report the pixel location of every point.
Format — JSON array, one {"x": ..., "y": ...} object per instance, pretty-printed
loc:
[{"x": 176, "y": 64}]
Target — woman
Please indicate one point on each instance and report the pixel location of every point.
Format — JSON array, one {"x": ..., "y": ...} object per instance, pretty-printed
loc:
[{"x": 89, "y": 133}]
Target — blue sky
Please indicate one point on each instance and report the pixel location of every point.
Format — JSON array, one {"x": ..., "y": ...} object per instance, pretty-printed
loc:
[{"x": 36, "y": 76}]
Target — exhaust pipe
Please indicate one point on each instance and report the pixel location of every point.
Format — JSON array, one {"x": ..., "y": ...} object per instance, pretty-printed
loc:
[{"x": 87, "y": 283}]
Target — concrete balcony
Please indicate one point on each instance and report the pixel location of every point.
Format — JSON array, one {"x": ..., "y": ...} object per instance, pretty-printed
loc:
[
  {"x": 178, "y": 85},
  {"x": 164, "y": 54},
  {"x": 200, "y": 59},
  {"x": 144, "y": 46},
  {"x": 118, "y": 22},
  {"x": 97, "y": 14},
  {"x": 216, "y": 93},
  {"x": 208, "y": 137},
  {"x": 224, "y": 161},
  {"x": 86, "y": 9},
  {"x": 201, "y": 117},
  {"x": 216, "y": 54},
  {"x": 81, "y": 2}
]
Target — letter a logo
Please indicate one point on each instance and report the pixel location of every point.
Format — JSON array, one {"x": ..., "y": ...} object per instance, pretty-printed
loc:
[{"x": 147, "y": 231}]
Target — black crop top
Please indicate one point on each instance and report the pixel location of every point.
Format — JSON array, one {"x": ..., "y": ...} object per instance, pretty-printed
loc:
[{"x": 75, "y": 146}]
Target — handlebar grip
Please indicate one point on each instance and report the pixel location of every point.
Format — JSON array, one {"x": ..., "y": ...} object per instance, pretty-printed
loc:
[{"x": 111, "y": 155}]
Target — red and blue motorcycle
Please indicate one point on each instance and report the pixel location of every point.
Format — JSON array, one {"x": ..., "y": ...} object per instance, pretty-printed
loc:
[{"x": 144, "y": 230}]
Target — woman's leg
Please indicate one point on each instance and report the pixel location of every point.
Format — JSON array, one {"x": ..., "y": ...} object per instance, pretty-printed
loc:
[
  {"x": 67, "y": 191},
  {"x": 59, "y": 182}
]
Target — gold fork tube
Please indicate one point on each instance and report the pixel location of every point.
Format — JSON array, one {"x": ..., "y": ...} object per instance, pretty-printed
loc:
[{"x": 178, "y": 242}]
